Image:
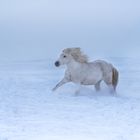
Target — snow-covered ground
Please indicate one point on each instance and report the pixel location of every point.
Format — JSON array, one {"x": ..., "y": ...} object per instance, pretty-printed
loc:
[{"x": 29, "y": 110}]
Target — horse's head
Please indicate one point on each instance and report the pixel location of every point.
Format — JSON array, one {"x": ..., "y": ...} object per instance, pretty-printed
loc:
[
  {"x": 65, "y": 58},
  {"x": 70, "y": 54}
]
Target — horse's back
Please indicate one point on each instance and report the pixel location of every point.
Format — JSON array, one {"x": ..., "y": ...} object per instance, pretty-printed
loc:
[{"x": 104, "y": 66}]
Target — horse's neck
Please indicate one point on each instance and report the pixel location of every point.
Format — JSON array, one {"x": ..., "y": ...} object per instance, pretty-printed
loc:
[{"x": 73, "y": 65}]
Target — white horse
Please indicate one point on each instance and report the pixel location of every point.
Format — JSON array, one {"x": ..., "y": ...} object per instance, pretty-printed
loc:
[{"x": 82, "y": 72}]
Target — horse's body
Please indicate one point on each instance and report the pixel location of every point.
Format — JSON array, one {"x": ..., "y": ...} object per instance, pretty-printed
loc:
[{"x": 82, "y": 72}]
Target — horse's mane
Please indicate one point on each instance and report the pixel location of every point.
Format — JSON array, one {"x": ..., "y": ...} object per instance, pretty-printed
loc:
[{"x": 77, "y": 54}]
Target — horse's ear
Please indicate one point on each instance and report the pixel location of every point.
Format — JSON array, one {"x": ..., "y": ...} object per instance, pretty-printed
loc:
[
  {"x": 75, "y": 50},
  {"x": 68, "y": 50},
  {"x": 72, "y": 50},
  {"x": 78, "y": 49}
]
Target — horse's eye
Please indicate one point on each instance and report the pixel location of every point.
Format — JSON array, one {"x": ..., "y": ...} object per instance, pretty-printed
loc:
[{"x": 64, "y": 56}]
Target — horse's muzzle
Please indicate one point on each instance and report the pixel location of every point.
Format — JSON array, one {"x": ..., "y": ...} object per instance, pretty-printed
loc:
[{"x": 57, "y": 64}]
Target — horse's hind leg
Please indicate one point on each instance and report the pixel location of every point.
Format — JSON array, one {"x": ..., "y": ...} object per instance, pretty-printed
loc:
[
  {"x": 111, "y": 89},
  {"x": 97, "y": 86},
  {"x": 108, "y": 82}
]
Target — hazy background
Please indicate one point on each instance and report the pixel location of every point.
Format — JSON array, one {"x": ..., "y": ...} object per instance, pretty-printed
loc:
[{"x": 39, "y": 29}]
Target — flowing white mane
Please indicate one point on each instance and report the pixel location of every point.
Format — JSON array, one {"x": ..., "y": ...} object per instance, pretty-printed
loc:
[{"x": 77, "y": 54}]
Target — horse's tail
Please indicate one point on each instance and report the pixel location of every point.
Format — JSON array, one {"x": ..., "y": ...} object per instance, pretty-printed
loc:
[{"x": 115, "y": 77}]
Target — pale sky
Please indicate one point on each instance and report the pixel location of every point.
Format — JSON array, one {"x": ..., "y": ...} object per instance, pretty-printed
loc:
[{"x": 38, "y": 29}]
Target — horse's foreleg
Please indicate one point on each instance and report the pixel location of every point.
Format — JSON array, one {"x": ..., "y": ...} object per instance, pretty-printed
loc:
[{"x": 62, "y": 82}]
